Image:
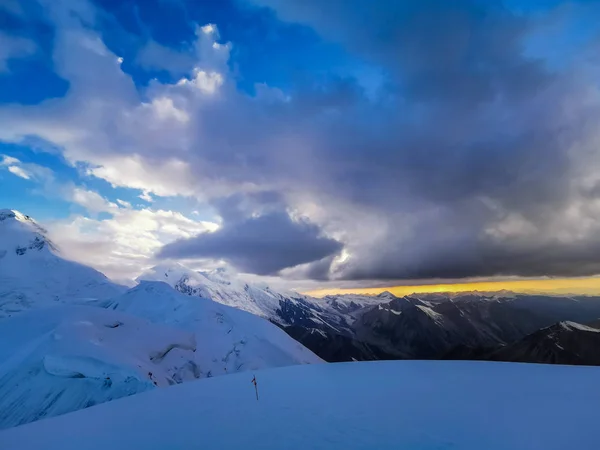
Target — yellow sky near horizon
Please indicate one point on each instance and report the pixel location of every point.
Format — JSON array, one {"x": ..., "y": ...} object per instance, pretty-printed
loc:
[{"x": 579, "y": 286}]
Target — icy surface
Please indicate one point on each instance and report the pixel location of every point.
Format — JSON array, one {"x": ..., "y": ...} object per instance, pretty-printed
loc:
[
  {"x": 382, "y": 405},
  {"x": 219, "y": 286},
  {"x": 65, "y": 358},
  {"x": 33, "y": 274},
  {"x": 229, "y": 339}
]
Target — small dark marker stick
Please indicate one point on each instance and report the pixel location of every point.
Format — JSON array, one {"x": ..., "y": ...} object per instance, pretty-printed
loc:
[{"x": 255, "y": 386}]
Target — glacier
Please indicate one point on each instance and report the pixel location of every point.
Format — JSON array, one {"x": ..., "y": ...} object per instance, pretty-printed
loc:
[{"x": 60, "y": 359}]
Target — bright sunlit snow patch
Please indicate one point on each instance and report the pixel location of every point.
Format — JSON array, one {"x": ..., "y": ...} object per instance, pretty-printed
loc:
[{"x": 218, "y": 285}]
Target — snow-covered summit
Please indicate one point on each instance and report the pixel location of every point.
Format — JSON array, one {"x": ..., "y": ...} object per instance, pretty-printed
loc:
[
  {"x": 20, "y": 234},
  {"x": 220, "y": 285},
  {"x": 33, "y": 272}
]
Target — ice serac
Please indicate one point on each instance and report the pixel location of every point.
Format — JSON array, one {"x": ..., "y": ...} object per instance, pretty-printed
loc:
[
  {"x": 34, "y": 274},
  {"x": 69, "y": 357},
  {"x": 229, "y": 340},
  {"x": 376, "y": 405}
]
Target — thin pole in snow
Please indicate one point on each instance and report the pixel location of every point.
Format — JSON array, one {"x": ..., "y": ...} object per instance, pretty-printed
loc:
[{"x": 255, "y": 386}]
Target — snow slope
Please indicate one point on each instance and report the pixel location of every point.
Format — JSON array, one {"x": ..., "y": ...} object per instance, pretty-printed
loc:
[
  {"x": 376, "y": 405},
  {"x": 65, "y": 358},
  {"x": 229, "y": 340},
  {"x": 220, "y": 286},
  {"x": 33, "y": 274},
  {"x": 283, "y": 307}
]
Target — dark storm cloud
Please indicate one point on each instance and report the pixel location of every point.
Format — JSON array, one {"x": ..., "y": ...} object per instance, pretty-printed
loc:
[
  {"x": 435, "y": 254},
  {"x": 476, "y": 155},
  {"x": 467, "y": 133},
  {"x": 263, "y": 245}
]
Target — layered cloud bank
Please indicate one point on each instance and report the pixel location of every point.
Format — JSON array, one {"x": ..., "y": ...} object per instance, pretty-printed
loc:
[{"x": 473, "y": 151}]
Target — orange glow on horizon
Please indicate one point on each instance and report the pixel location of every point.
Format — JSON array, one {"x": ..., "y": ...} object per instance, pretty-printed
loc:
[{"x": 578, "y": 286}]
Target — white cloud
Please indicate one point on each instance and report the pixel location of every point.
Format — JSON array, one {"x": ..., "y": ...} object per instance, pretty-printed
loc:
[
  {"x": 160, "y": 141},
  {"x": 164, "y": 109},
  {"x": 122, "y": 246},
  {"x": 123, "y": 203},
  {"x": 371, "y": 177},
  {"x": 208, "y": 28},
  {"x": 170, "y": 177},
  {"x": 13, "y": 47},
  {"x": 207, "y": 82},
  {"x": 27, "y": 171},
  {"x": 8, "y": 160},
  {"x": 90, "y": 200},
  {"x": 19, "y": 171},
  {"x": 146, "y": 196}
]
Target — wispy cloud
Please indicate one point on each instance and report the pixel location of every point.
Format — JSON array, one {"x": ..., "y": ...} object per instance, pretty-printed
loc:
[
  {"x": 19, "y": 171},
  {"x": 124, "y": 244},
  {"x": 13, "y": 47},
  {"x": 28, "y": 171}
]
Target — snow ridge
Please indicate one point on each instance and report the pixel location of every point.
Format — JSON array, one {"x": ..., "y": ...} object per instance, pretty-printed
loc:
[{"x": 34, "y": 274}]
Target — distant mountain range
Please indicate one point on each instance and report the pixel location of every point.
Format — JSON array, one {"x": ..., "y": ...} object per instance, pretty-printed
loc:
[
  {"x": 429, "y": 326},
  {"x": 562, "y": 343}
]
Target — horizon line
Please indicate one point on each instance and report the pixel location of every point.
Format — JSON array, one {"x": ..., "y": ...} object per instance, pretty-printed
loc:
[{"x": 555, "y": 286}]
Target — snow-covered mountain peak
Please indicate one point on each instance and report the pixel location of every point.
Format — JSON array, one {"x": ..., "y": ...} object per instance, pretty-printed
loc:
[
  {"x": 33, "y": 272},
  {"x": 220, "y": 285},
  {"x": 154, "y": 287},
  {"x": 222, "y": 275},
  {"x": 386, "y": 295},
  {"x": 12, "y": 214},
  {"x": 21, "y": 235}
]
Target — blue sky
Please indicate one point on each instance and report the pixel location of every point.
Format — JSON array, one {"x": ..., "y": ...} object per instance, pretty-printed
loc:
[
  {"x": 391, "y": 141},
  {"x": 267, "y": 51}
]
